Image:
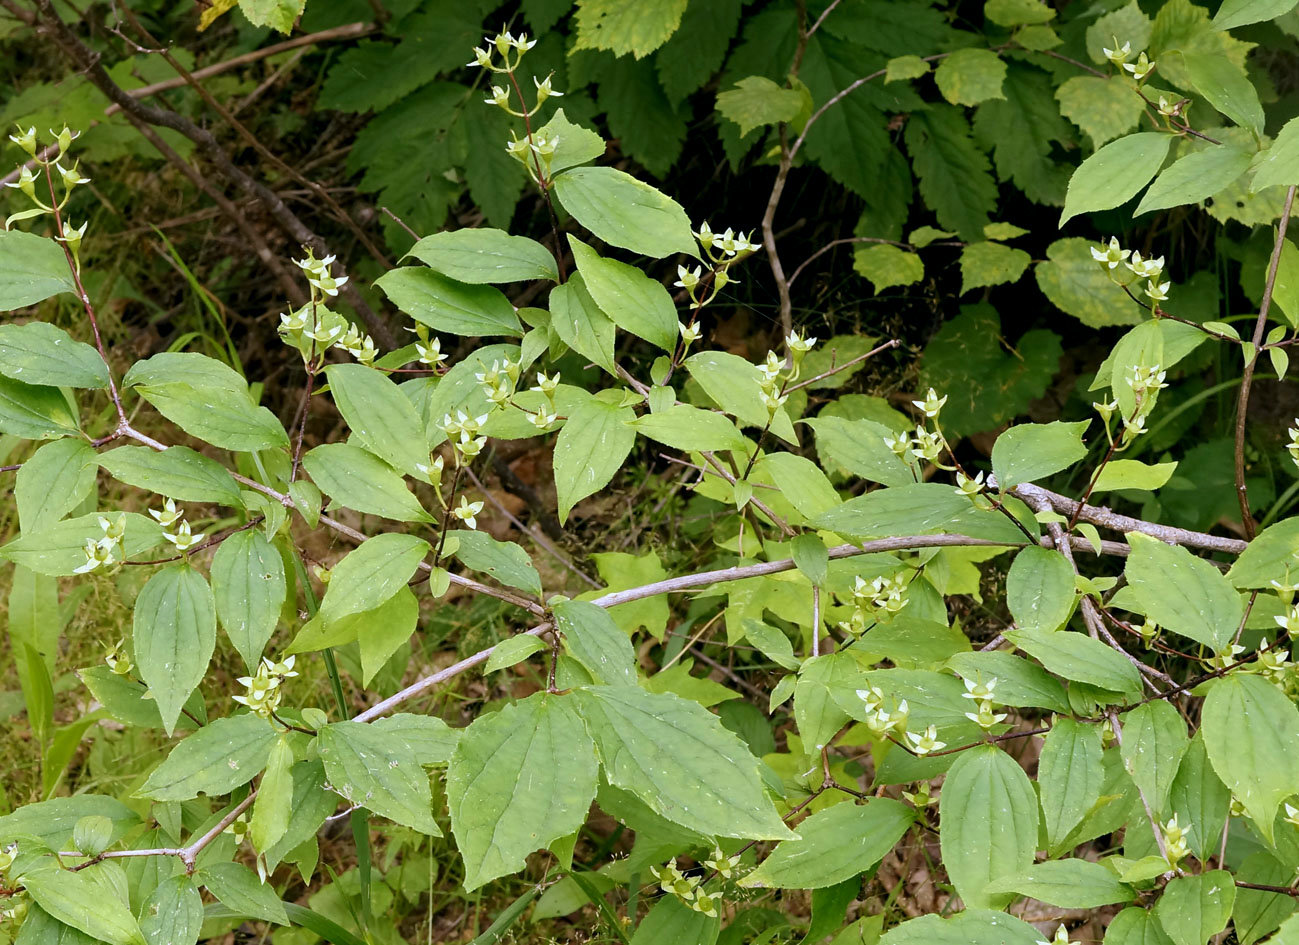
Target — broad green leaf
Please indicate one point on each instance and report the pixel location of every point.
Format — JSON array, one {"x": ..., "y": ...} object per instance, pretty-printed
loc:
[
  {"x": 177, "y": 367},
  {"x": 174, "y": 634},
  {"x": 58, "y": 548},
  {"x": 593, "y": 639},
  {"x": 53, "y": 821},
  {"x": 635, "y": 302},
  {"x": 1257, "y": 913},
  {"x": 1040, "y": 589},
  {"x": 577, "y": 145},
  {"x": 274, "y": 804},
  {"x": 756, "y": 101},
  {"x": 1154, "y": 742},
  {"x": 857, "y": 446},
  {"x": 624, "y": 211},
  {"x": 971, "y": 927},
  {"x": 1194, "y": 178},
  {"x": 503, "y": 560},
  {"x": 1070, "y": 776},
  {"x": 902, "y": 68},
  {"x": 380, "y": 771},
  {"x": 1251, "y": 733},
  {"x": 176, "y": 472},
  {"x": 173, "y": 915},
  {"x": 887, "y": 266},
  {"x": 732, "y": 383},
  {"x": 34, "y": 412},
  {"x": 1115, "y": 173},
  {"x": 1199, "y": 797},
  {"x": 32, "y": 269},
  {"x": 812, "y": 557},
  {"x": 277, "y": 14},
  {"x": 916, "y": 509},
  {"x": 670, "y": 921},
  {"x": 1019, "y": 682},
  {"x": 1279, "y": 164},
  {"x": 1134, "y": 926},
  {"x": 238, "y": 888},
  {"x": 1193, "y": 909},
  {"x": 986, "y": 264},
  {"x": 483, "y": 255},
  {"x": 627, "y": 26},
  {"x": 1031, "y": 451},
  {"x": 712, "y": 786},
  {"x": 124, "y": 699},
  {"x": 1235, "y": 13},
  {"x": 1104, "y": 108},
  {"x": 1181, "y": 592},
  {"x": 512, "y": 651},
  {"x": 447, "y": 305},
  {"x": 1069, "y": 883},
  {"x": 40, "y": 353},
  {"x": 206, "y": 399},
  {"x": 248, "y": 587},
  {"x": 1226, "y": 87},
  {"x": 1078, "y": 657},
  {"x": 384, "y": 637},
  {"x": 380, "y": 417},
  {"x": 432, "y": 739},
  {"x": 970, "y": 76},
  {"x": 581, "y": 324},
  {"x": 518, "y": 780},
  {"x": 1268, "y": 557},
  {"x": 835, "y": 844},
  {"x": 78, "y": 900},
  {"x": 357, "y": 479},
  {"x": 1133, "y": 474},
  {"x": 53, "y": 482},
  {"x": 989, "y": 815},
  {"x": 1018, "y": 12},
  {"x": 371, "y": 574},
  {"x": 802, "y": 483},
  {"x": 589, "y": 450},
  {"x": 312, "y": 803},
  {"x": 1074, "y": 283},
  {"x": 214, "y": 760},
  {"x": 317, "y": 633},
  {"x": 687, "y": 428},
  {"x": 955, "y": 178}
]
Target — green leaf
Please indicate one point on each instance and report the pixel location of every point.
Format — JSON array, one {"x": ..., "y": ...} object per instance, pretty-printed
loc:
[
  {"x": 1193, "y": 909},
  {"x": 357, "y": 479},
  {"x": 483, "y": 255},
  {"x": 835, "y": 844},
  {"x": 989, "y": 816},
  {"x": 1268, "y": 557},
  {"x": 757, "y": 101},
  {"x": 176, "y": 472},
  {"x": 1104, "y": 108},
  {"x": 670, "y": 921},
  {"x": 382, "y": 419},
  {"x": 733, "y": 384},
  {"x": 919, "y": 508},
  {"x": 380, "y": 771},
  {"x": 1074, "y": 283},
  {"x": 52, "y": 822},
  {"x": 248, "y": 588},
  {"x": 312, "y": 803},
  {"x": 503, "y": 560},
  {"x": 1115, "y": 173},
  {"x": 1040, "y": 589},
  {"x": 970, "y": 76},
  {"x": 887, "y": 266},
  {"x": 593, "y": 639},
  {"x": 634, "y": 301},
  {"x": 214, "y": 760},
  {"x": 1017, "y": 12},
  {"x": 1019, "y": 682},
  {"x": 1251, "y": 733},
  {"x": 173, "y": 915},
  {"x": 581, "y": 324},
  {"x": 1235, "y": 13},
  {"x": 1154, "y": 741},
  {"x": 712, "y": 786},
  {"x": 39, "y": 353},
  {"x": 59, "y": 548},
  {"x": 53, "y": 482},
  {"x": 174, "y": 634},
  {"x": 1199, "y": 797},
  {"x": 446, "y": 305},
  {"x": 971, "y": 927},
  {"x": 238, "y": 888},
  {"x": 1279, "y": 164},
  {"x": 1023, "y": 129},
  {"x": 902, "y": 68},
  {"x": 625, "y": 212},
  {"x": 588, "y": 451},
  {"x": 627, "y": 26},
  {"x": 277, "y": 14},
  {"x": 687, "y": 428},
  {"x": 986, "y": 264},
  {"x": 954, "y": 174},
  {"x": 1080, "y": 658},
  {"x": 1031, "y": 451},
  {"x": 371, "y": 574},
  {"x": 1070, "y": 777},
  {"x": 32, "y": 269},
  {"x": 857, "y": 446},
  {"x": 577, "y": 145},
  {"x": 518, "y": 780},
  {"x": 1069, "y": 884},
  {"x": 1134, "y": 926},
  {"x": 698, "y": 48},
  {"x": 432, "y": 739},
  {"x": 78, "y": 900},
  {"x": 1226, "y": 87},
  {"x": 801, "y": 482},
  {"x": 513, "y": 650},
  {"x": 274, "y": 804},
  {"x": 1257, "y": 913},
  {"x": 34, "y": 412},
  {"x": 811, "y": 556},
  {"x": 124, "y": 700},
  {"x": 1133, "y": 474},
  {"x": 1181, "y": 592}
]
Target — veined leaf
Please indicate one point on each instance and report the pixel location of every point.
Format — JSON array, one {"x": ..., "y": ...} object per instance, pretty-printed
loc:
[
  {"x": 1069, "y": 777},
  {"x": 444, "y": 304},
  {"x": 1040, "y": 589},
  {"x": 1183, "y": 593},
  {"x": 214, "y": 760},
  {"x": 593, "y": 639},
  {"x": 76, "y": 899},
  {"x": 357, "y": 479},
  {"x": 32, "y": 269},
  {"x": 40, "y": 353},
  {"x": 1114, "y": 174},
  {"x": 484, "y": 255},
  {"x": 174, "y": 634},
  {"x": 371, "y": 574},
  {"x": 590, "y": 449},
  {"x": 634, "y": 301},
  {"x": 624, "y": 211},
  {"x": 380, "y": 771},
  {"x": 176, "y": 472},
  {"x": 381, "y": 417},
  {"x": 248, "y": 588}
]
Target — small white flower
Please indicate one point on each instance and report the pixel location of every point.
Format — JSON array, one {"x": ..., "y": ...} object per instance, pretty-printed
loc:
[
  {"x": 468, "y": 511},
  {"x": 482, "y": 58},
  {"x": 799, "y": 345},
  {"x": 168, "y": 515},
  {"x": 500, "y": 97},
  {"x": 688, "y": 279},
  {"x": 1111, "y": 254},
  {"x": 1158, "y": 292},
  {"x": 25, "y": 139},
  {"x": 1119, "y": 54},
  {"x": 543, "y": 419},
  {"x": 1149, "y": 268},
  {"x": 182, "y": 538},
  {"x": 931, "y": 405},
  {"x": 1141, "y": 68},
  {"x": 544, "y": 91},
  {"x": 546, "y": 385},
  {"x": 689, "y": 333},
  {"x": 927, "y": 742}
]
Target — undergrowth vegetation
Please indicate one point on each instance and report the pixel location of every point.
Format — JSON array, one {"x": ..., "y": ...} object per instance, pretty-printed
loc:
[{"x": 649, "y": 471}]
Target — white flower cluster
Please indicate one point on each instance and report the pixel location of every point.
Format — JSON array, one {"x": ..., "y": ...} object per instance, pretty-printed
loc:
[
  {"x": 262, "y": 690},
  {"x": 984, "y": 696},
  {"x": 71, "y": 178},
  {"x": 689, "y": 889},
  {"x": 925, "y": 444},
  {"x": 463, "y": 432},
  {"x": 105, "y": 551},
  {"x": 547, "y": 416},
  {"x": 1110, "y": 255},
  {"x": 505, "y": 44},
  {"x": 174, "y": 527},
  {"x": 1175, "y": 841},
  {"x": 314, "y": 329},
  {"x": 1120, "y": 55},
  {"x": 1293, "y": 446}
]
